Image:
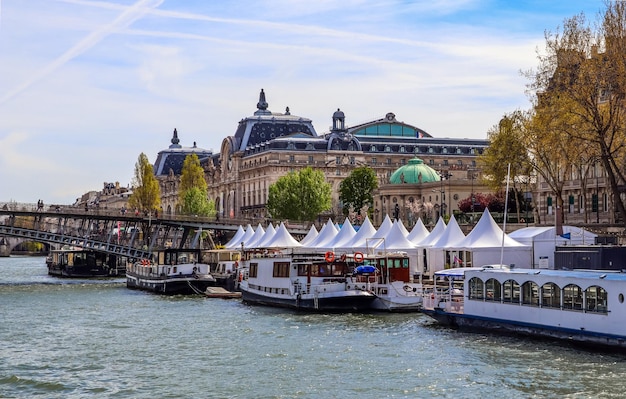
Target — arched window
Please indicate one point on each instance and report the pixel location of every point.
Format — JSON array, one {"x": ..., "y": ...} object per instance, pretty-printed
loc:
[
  {"x": 596, "y": 299},
  {"x": 510, "y": 291},
  {"x": 476, "y": 288},
  {"x": 550, "y": 295},
  {"x": 530, "y": 293},
  {"x": 572, "y": 297},
  {"x": 493, "y": 290}
]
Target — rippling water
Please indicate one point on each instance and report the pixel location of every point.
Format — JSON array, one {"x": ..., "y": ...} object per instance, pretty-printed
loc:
[{"x": 77, "y": 339}]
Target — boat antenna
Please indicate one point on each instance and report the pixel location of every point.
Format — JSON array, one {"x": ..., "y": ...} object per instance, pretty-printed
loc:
[{"x": 506, "y": 202}]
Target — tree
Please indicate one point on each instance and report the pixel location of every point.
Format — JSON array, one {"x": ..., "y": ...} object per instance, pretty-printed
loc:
[
  {"x": 356, "y": 190},
  {"x": 580, "y": 83},
  {"x": 192, "y": 192},
  {"x": 507, "y": 146},
  {"x": 300, "y": 195},
  {"x": 146, "y": 194}
]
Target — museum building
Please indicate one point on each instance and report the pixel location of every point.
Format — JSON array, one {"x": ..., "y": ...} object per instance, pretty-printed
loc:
[{"x": 419, "y": 175}]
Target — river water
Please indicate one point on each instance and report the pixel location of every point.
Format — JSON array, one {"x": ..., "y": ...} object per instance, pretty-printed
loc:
[{"x": 85, "y": 338}]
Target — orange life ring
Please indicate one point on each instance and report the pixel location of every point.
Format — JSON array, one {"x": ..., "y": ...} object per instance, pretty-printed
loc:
[
  {"x": 358, "y": 257},
  {"x": 329, "y": 256}
]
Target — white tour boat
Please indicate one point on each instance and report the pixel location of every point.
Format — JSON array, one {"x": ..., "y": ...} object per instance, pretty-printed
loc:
[
  {"x": 388, "y": 276},
  {"x": 581, "y": 306},
  {"x": 299, "y": 281},
  {"x": 172, "y": 272}
]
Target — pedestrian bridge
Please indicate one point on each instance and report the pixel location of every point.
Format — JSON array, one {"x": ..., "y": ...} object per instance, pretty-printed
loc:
[{"x": 113, "y": 232}]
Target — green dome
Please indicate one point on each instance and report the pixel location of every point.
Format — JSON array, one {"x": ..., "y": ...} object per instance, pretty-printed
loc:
[{"x": 414, "y": 172}]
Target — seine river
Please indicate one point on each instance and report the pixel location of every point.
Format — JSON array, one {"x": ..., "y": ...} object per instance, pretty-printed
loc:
[{"x": 83, "y": 339}]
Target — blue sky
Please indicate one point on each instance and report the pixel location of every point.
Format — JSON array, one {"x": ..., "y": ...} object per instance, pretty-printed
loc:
[{"x": 86, "y": 86}]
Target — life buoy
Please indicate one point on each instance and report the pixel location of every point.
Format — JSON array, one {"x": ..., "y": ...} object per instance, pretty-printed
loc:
[
  {"x": 329, "y": 257},
  {"x": 358, "y": 257}
]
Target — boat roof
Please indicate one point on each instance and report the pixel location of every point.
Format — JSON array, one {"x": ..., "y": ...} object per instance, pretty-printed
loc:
[{"x": 615, "y": 275}]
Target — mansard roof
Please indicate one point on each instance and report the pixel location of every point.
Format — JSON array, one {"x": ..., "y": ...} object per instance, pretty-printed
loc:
[
  {"x": 173, "y": 157},
  {"x": 265, "y": 125}
]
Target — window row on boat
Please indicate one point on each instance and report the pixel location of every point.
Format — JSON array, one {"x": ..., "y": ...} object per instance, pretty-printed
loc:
[{"x": 548, "y": 295}]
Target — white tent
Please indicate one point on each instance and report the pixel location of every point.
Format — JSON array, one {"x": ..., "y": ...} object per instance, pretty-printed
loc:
[
  {"x": 395, "y": 240},
  {"x": 360, "y": 239},
  {"x": 236, "y": 238},
  {"x": 282, "y": 239},
  {"x": 345, "y": 235},
  {"x": 434, "y": 235},
  {"x": 256, "y": 237},
  {"x": 418, "y": 233},
  {"x": 269, "y": 234},
  {"x": 486, "y": 244},
  {"x": 403, "y": 229},
  {"x": 249, "y": 232},
  {"x": 384, "y": 228},
  {"x": 326, "y": 235},
  {"x": 426, "y": 242},
  {"x": 543, "y": 241},
  {"x": 441, "y": 253},
  {"x": 310, "y": 236}
]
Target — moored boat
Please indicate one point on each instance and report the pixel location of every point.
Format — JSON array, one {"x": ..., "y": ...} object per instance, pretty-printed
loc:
[
  {"x": 171, "y": 272},
  {"x": 581, "y": 306},
  {"x": 76, "y": 262},
  {"x": 299, "y": 281},
  {"x": 388, "y": 276}
]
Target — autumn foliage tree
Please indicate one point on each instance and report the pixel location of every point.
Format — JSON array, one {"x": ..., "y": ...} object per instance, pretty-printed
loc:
[
  {"x": 146, "y": 194},
  {"x": 192, "y": 191},
  {"x": 579, "y": 92}
]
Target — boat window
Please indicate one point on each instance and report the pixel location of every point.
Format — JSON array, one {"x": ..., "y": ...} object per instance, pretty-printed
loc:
[
  {"x": 405, "y": 263},
  {"x": 493, "y": 290},
  {"x": 572, "y": 297},
  {"x": 476, "y": 288},
  {"x": 254, "y": 269},
  {"x": 550, "y": 295},
  {"x": 596, "y": 299},
  {"x": 530, "y": 293},
  {"x": 510, "y": 291},
  {"x": 281, "y": 269}
]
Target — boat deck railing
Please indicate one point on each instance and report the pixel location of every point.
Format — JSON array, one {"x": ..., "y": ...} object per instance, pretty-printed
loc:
[{"x": 443, "y": 299}]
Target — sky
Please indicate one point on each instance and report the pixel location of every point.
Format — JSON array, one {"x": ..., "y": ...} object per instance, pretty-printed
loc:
[{"x": 86, "y": 86}]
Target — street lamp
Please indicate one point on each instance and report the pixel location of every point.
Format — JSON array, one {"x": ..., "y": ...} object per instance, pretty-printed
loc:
[{"x": 443, "y": 175}]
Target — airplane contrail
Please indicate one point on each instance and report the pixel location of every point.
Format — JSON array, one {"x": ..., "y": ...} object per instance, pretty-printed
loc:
[{"x": 125, "y": 19}]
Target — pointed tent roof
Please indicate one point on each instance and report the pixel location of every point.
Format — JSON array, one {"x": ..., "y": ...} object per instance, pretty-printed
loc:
[
  {"x": 256, "y": 237},
  {"x": 310, "y": 236},
  {"x": 245, "y": 237},
  {"x": 367, "y": 230},
  {"x": 487, "y": 234},
  {"x": 384, "y": 228},
  {"x": 434, "y": 235},
  {"x": 236, "y": 238},
  {"x": 418, "y": 233},
  {"x": 345, "y": 235},
  {"x": 326, "y": 235},
  {"x": 402, "y": 227},
  {"x": 267, "y": 237},
  {"x": 451, "y": 236},
  {"x": 282, "y": 239},
  {"x": 395, "y": 239}
]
